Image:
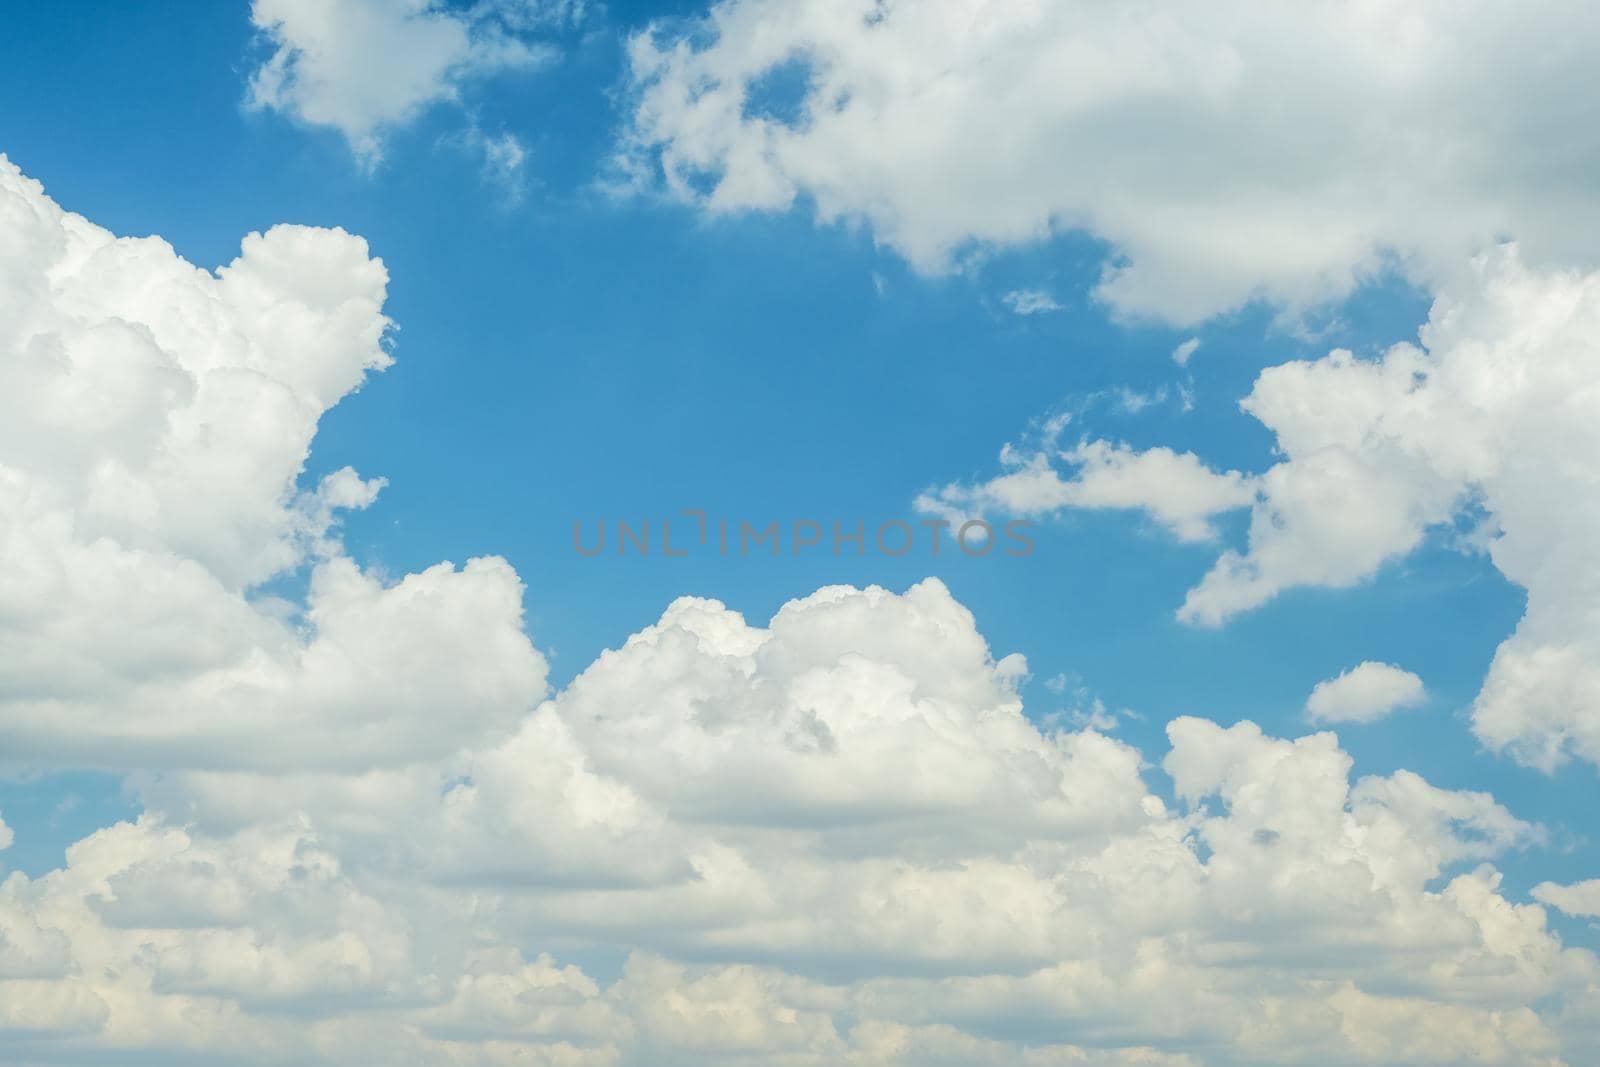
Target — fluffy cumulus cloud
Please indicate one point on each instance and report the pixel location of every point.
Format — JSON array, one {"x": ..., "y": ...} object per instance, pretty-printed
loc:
[
  {"x": 1486, "y": 423},
  {"x": 370, "y": 835},
  {"x": 708, "y": 803},
  {"x": 1364, "y": 693},
  {"x": 154, "y": 421},
  {"x": 1488, "y": 419},
  {"x": 1227, "y": 152},
  {"x": 364, "y": 66}
]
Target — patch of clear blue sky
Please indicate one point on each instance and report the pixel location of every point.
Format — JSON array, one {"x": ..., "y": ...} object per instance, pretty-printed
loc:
[{"x": 579, "y": 358}]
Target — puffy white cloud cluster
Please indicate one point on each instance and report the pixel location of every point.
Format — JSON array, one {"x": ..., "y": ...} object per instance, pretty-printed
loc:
[
  {"x": 832, "y": 840},
  {"x": 154, "y": 419},
  {"x": 370, "y": 837},
  {"x": 1226, "y": 151},
  {"x": 364, "y": 66},
  {"x": 1490, "y": 420},
  {"x": 1495, "y": 413}
]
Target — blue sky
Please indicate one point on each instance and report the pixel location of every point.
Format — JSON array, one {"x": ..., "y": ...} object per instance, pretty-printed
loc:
[{"x": 584, "y": 355}]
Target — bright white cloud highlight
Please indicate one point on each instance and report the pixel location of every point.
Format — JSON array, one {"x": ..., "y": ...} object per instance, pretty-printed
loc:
[
  {"x": 364, "y": 66},
  {"x": 832, "y": 839},
  {"x": 1365, "y": 693},
  {"x": 1229, "y": 152}
]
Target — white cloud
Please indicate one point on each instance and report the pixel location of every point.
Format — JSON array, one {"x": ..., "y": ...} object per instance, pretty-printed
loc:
[
  {"x": 505, "y": 160},
  {"x": 1227, "y": 151},
  {"x": 365, "y": 66},
  {"x": 1132, "y": 401},
  {"x": 1489, "y": 416},
  {"x": 1365, "y": 693},
  {"x": 6, "y": 836},
  {"x": 1174, "y": 489},
  {"x": 709, "y": 800},
  {"x": 1580, "y": 898},
  {"x": 1184, "y": 351},
  {"x": 1030, "y": 302},
  {"x": 137, "y": 522},
  {"x": 833, "y": 839}
]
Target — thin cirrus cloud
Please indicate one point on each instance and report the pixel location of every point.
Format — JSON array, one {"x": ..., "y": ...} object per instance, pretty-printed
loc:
[
  {"x": 1227, "y": 152},
  {"x": 706, "y": 804}
]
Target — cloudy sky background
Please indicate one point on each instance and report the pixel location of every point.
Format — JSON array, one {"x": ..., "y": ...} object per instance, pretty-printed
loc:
[{"x": 321, "y": 323}]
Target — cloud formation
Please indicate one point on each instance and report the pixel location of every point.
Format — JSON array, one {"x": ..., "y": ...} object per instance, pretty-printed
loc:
[
  {"x": 1030, "y": 302},
  {"x": 1365, "y": 693},
  {"x": 1580, "y": 898},
  {"x": 1480, "y": 426},
  {"x": 1174, "y": 489},
  {"x": 154, "y": 420},
  {"x": 1227, "y": 152},
  {"x": 1481, "y": 421},
  {"x": 362, "y": 67},
  {"x": 370, "y": 834},
  {"x": 710, "y": 802}
]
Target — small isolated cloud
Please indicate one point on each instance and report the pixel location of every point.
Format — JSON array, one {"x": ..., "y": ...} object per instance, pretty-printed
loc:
[
  {"x": 1132, "y": 401},
  {"x": 1174, "y": 489},
  {"x": 6, "y": 836},
  {"x": 1581, "y": 898},
  {"x": 1365, "y": 693},
  {"x": 1030, "y": 302},
  {"x": 362, "y": 67},
  {"x": 503, "y": 163},
  {"x": 1181, "y": 354}
]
